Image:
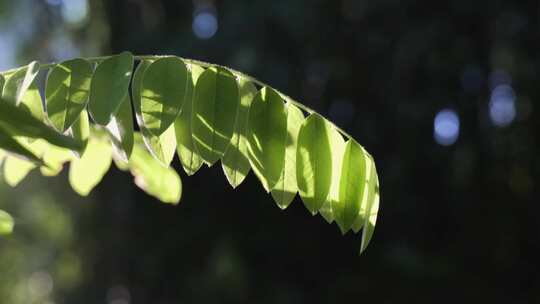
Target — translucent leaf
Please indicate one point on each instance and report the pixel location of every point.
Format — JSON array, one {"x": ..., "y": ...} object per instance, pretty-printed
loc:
[
  {"x": 369, "y": 195},
  {"x": 352, "y": 184},
  {"x": 18, "y": 83},
  {"x": 215, "y": 106},
  {"x": 10, "y": 144},
  {"x": 163, "y": 89},
  {"x": 338, "y": 149},
  {"x": 189, "y": 156},
  {"x": 285, "y": 189},
  {"x": 20, "y": 123},
  {"x": 267, "y": 136},
  {"x": 67, "y": 91},
  {"x": 2, "y": 82},
  {"x": 32, "y": 102},
  {"x": 55, "y": 158},
  {"x": 121, "y": 130},
  {"x": 371, "y": 221},
  {"x": 86, "y": 172},
  {"x": 156, "y": 180},
  {"x": 109, "y": 87},
  {"x": 6, "y": 223},
  {"x": 314, "y": 162},
  {"x": 235, "y": 162},
  {"x": 81, "y": 129},
  {"x": 16, "y": 169}
]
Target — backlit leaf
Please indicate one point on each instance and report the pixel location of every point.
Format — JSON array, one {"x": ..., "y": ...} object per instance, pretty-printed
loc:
[
  {"x": 10, "y": 144},
  {"x": 67, "y": 91},
  {"x": 109, "y": 87},
  {"x": 6, "y": 223},
  {"x": 189, "y": 156},
  {"x": 267, "y": 136},
  {"x": 352, "y": 184},
  {"x": 215, "y": 106},
  {"x": 18, "y": 122},
  {"x": 18, "y": 83},
  {"x": 235, "y": 162},
  {"x": 285, "y": 189},
  {"x": 152, "y": 177},
  {"x": 55, "y": 158},
  {"x": 338, "y": 148},
  {"x": 163, "y": 88},
  {"x": 121, "y": 129},
  {"x": 2, "y": 82},
  {"x": 314, "y": 162},
  {"x": 81, "y": 129},
  {"x": 86, "y": 172},
  {"x": 16, "y": 169}
]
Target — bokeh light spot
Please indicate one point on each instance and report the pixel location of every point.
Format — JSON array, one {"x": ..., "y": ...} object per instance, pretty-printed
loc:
[
  {"x": 446, "y": 127},
  {"x": 205, "y": 25},
  {"x": 502, "y": 105},
  {"x": 74, "y": 11}
]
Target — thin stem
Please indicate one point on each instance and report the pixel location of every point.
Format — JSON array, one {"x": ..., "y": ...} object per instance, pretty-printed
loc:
[{"x": 201, "y": 63}]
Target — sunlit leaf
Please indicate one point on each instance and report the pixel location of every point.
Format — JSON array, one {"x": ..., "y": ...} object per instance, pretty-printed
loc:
[
  {"x": 189, "y": 156},
  {"x": 86, "y": 172},
  {"x": 352, "y": 184},
  {"x": 18, "y": 83},
  {"x": 285, "y": 189},
  {"x": 55, "y": 158},
  {"x": 10, "y": 144},
  {"x": 338, "y": 149},
  {"x": 267, "y": 136},
  {"x": 163, "y": 89},
  {"x": 16, "y": 169},
  {"x": 20, "y": 123},
  {"x": 235, "y": 162},
  {"x": 67, "y": 91},
  {"x": 109, "y": 87},
  {"x": 2, "y": 82},
  {"x": 81, "y": 129},
  {"x": 215, "y": 106},
  {"x": 152, "y": 177},
  {"x": 371, "y": 209},
  {"x": 6, "y": 223},
  {"x": 314, "y": 162},
  {"x": 121, "y": 129}
]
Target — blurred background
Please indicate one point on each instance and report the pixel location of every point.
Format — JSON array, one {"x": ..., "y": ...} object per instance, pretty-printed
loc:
[{"x": 443, "y": 94}]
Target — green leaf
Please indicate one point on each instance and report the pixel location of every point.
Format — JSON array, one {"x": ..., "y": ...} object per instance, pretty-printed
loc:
[
  {"x": 371, "y": 184},
  {"x": 16, "y": 169},
  {"x": 371, "y": 208},
  {"x": 20, "y": 123},
  {"x": 6, "y": 223},
  {"x": 121, "y": 130},
  {"x": 215, "y": 106},
  {"x": 338, "y": 149},
  {"x": 67, "y": 91},
  {"x": 314, "y": 162},
  {"x": 267, "y": 136},
  {"x": 10, "y": 144},
  {"x": 81, "y": 129},
  {"x": 86, "y": 172},
  {"x": 18, "y": 83},
  {"x": 163, "y": 89},
  {"x": 2, "y": 82},
  {"x": 156, "y": 180},
  {"x": 352, "y": 184},
  {"x": 285, "y": 189},
  {"x": 235, "y": 162},
  {"x": 189, "y": 156},
  {"x": 55, "y": 158},
  {"x": 136, "y": 84},
  {"x": 109, "y": 87}
]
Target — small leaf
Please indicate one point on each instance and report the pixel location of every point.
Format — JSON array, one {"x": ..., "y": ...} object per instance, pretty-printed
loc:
[
  {"x": 6, "y": 223},
  {"x": 55, "y": 158},
  {"x": 267, "y": 136},
  {"x": 163, "y": 89},
  {"x": 215, "y": 106},
  {"x": 10, "y": 144},
  {"x": 81, "y": 129},
  {"x": 189, "y": 156},
  {"x": 338, "y": 149},
  {"x": 121, "y": 130},
  {"x": 285, "y": 189},
  {"x": 352, "y": 184},
  {"x": 20, "y": 123},
  {"x": 109, "y": 87},
  {"x": 369, "y": 195},
  {"x": 156, "y": 180},
  {"x": 314, "y": 162},
  {"x": 18, "y": 83},
  {"x": 235, "y": 162},
  {"x": 16, "y": 169},
  {"x": 67, "y": 91},
  {"x": 371, "y": 209},
  {"x": 86, "y": 172},
  {"x": 2, "y": 82}
]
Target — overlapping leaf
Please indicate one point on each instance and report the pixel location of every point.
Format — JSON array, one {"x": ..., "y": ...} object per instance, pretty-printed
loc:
[
  {"x": 215, "y": 107},
  {"x": 6, "y": 223},
  {"x": 19, "y": 82},
  {"x": 67, "y": 91},
  {"x": 109, "y": 87}
]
